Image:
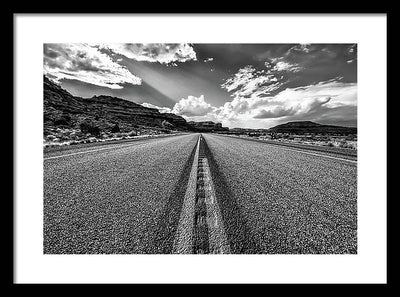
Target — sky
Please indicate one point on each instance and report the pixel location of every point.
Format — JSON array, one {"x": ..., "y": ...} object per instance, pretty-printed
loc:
[{"x": 238, "y": 85}]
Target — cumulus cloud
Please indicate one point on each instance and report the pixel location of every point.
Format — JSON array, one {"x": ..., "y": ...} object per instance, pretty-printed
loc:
[
  {"x": 85, "y": 63},
  {"x": 325, "y": 101},
  {"x": 264, "y": 94},
  {"x": 278, "y": 108},
  {"x": 274, "y": 112},
  {"x": 314, "y": 102},
  {"x": 163, "y": 53},
  {"x": 303, "y": 100},
  {"x": 192, "y": 106}
]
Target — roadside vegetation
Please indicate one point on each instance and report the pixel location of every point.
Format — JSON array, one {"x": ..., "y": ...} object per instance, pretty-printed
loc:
[
  {"x": 339, "y": 141},
  {"x": 90, "y": 133}
]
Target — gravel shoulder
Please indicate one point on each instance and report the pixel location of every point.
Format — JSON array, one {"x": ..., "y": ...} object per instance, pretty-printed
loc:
[
  {"x": 67, "y": 149},
  {"x": 332, "y": 151}
]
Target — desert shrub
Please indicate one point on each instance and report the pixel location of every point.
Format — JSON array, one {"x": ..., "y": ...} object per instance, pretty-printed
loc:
[
  {"x": 46, "y": 117},
  {"x": 63, "y": 120},
  {"x": 115, "y": 129},
  {"x": 90, "y": 128}
]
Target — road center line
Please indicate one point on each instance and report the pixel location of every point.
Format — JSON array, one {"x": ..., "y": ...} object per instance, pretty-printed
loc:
[
  {"x": 183, "y": 243},
  {"x": 200, "y": 228},
  {"x": 217, "y": 239}
]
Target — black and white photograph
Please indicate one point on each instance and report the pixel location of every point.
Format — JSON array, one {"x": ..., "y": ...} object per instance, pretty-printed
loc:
[{"x": 200, "y": 148}]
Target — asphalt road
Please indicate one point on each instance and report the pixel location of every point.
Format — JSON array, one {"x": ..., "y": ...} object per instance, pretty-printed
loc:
[
  {"x": 122, "y": 198},
  {"x": 278, "y": 200},
  {"x": 128, "y": 197}
]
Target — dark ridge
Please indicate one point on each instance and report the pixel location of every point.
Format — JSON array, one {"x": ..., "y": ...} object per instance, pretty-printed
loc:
[
  {"x": 62, "y": 109},
  {"x": 239, "y": 236},
  {"x": 168, "y": 221},
  {"x": 301, "y": 127},
  {"x": 300, "y": 124}
]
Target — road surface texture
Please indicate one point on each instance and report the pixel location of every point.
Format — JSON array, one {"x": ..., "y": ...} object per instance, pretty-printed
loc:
[
  {"x": 123, "y": 198},
  {"x": 252, "y": 197},
  {"x": 278, "y": 200}
]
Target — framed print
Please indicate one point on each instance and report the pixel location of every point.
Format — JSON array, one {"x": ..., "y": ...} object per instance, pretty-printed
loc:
[{"x": 148, "y": 145}]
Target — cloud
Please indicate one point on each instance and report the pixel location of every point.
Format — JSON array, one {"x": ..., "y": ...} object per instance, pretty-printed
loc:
[
  {"x": 265, "y": 93},
  {"x": 326, "y": 102},
  {"x": 352, "y": 48},
  {"x": 153, "y": 52},
  {"x": 321, "y": 58},
  {"x": 192, "y": 106},
  {"x": 319, "y": 102},
  {"x": 302, "y": 47},
  {"x": 85, "y": 63},
  {"x": 274, "y": 112},
  {"x": 160, "y": 109},
  {"x": 279, "y": 65},
  {"x": 303, "y": 100},
  {"x": 249, "y": 80},
  {"x": 290, "y": 107}
]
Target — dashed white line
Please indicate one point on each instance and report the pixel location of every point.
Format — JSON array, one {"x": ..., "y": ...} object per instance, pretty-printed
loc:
[
  {"x": 217, "y": 238},
  {"x": 184, "y": 238}
]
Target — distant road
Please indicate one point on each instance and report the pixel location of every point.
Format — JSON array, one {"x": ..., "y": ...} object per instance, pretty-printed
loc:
[{"x": 129, "y": 197}]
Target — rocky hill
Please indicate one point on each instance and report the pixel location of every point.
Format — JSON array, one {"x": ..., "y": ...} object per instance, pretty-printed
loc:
[
  {"x": 99, "y": 116},
  {"x": 208, "y": 126},
  {"x": 302, "y": 127}
]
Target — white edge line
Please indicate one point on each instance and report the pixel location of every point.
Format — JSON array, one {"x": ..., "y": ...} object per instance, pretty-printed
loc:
[
  {"x": 78, "y": 153},
  {"x": 135, "y": 142},
  {"x": 320, "y": 155},
  {"x": 299, "y": 151}
]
